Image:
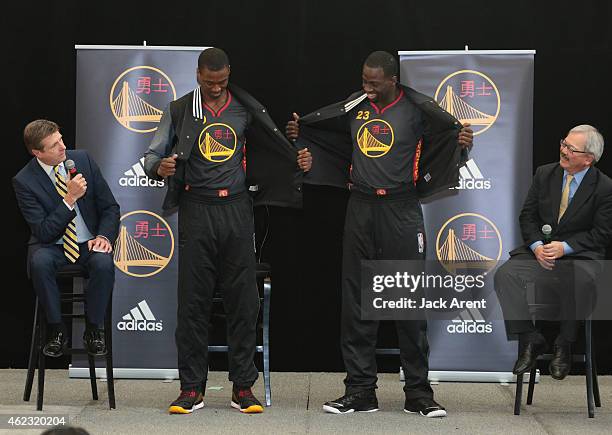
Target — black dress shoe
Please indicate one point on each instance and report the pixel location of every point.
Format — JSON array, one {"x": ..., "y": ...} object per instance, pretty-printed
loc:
[
  {"x": 561, "y": 363},
  {"x": 55, "y": 345},
  {"x": 527, "y": 358},
  {"x": 95, "y": 344}
]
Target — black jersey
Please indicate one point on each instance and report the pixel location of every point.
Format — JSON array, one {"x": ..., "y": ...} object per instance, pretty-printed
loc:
[
  {"x": 385, "y": 143},
  {"x": 216, "y": 161}
]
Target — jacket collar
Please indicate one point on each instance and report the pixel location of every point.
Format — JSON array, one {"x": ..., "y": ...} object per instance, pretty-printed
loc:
[
  {"x": 585, "y": 190},
  {"x": 413, "y": 95},
  {"x": 196, "y": 109},
  {"x": 353, "y": 101},
  {"x": 48, "y": 168},
  {"x": 251, "y": 104},
  {"x": 555, "y": 192},
  {"x": 43, "y": 179}
]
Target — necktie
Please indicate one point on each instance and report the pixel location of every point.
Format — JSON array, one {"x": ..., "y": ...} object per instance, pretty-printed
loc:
[
  {"x": 565, "y": 196},
  {"x": 71, "y": 248}
]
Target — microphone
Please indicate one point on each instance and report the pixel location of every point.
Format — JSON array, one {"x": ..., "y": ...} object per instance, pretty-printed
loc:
[
  {"x": 71, "y": 168},
  {"x": 546, "y": 230}
]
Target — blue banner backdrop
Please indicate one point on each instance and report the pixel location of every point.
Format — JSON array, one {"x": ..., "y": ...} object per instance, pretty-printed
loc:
[
  {"x": 121, "y": 94},
  {"x": 477, "y": 221}
]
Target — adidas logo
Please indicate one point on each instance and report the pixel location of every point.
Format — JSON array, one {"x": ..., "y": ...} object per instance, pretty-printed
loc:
[
  {"x": 136, "y": 177},
  {"x": 140, "y": 318},
  {"x": 469, "y": 321},
  {"x": 470, "y": 178}
]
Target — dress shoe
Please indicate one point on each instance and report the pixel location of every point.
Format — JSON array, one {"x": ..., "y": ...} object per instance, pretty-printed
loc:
[
  {"x": 55, "y": 345},
  {"x": 561, "y": 363},
  {"x": 527, "y": 358},
  {"x": 95, "y": 344}
]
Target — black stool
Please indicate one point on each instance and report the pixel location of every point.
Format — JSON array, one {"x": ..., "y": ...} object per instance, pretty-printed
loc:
[
  {"x": 264, "y": 283},
  {"x": 37, "y": 359},
  {"x": 538, "y": 303},
  {"x": 587, "y": 358}
]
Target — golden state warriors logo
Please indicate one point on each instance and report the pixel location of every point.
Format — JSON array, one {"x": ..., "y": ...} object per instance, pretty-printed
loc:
[
  {"x": 138, "y": 97},
  {"x": 470, "y": 96},
  {"x": 145, "y": 244},
  {"x": 468, "y": 241},
  {"x": 375, "y": 138},
  {"x": 217, "y": 142}
]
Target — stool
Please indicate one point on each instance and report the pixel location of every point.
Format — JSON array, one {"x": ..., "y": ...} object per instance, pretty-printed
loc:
[
  {"x": 264, "y": 279},
  {"x": 37, "y": 359},
  {"x": 592, "y": 386},
  {"x": 537, "y": 302}
]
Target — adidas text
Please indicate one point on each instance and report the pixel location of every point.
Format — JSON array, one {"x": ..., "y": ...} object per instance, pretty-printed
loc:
[
  {"x": 136, "y": 181},
  {"x": 140, "y": 325},
  {"x": 469, "y": 327},
  {"x": 472, "y": 184}
]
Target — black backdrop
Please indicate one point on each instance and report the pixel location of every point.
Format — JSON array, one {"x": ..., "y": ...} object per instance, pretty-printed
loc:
[{"x": 294, "y": 56}]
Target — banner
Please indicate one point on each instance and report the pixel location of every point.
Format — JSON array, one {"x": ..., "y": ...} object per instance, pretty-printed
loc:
[
  {"x": 477, "y": 221},
  {"x": 121, "y": 94}
]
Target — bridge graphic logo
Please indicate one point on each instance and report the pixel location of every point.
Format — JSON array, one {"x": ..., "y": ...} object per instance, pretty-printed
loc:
[
  {"x": 470, "y": 96},
  {"x": 138, "y": 97},
  {"x": 217, "y": 142},
  {"x": 468, "y": 242},
  {"x": 375, "y": 138},
  {"x": 145, "y": 244}
]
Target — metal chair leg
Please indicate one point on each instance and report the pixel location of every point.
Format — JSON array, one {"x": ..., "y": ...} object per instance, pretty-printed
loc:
[
  {"x": 266, "y": 342},
  {"x": 42, "y": 330},
  {"x": 92, "y": 376},
  {"x": 34, "y": 344},
  {"x": 589, "y": 369},
  {"x": 595, "y": 381},
  {"x": 110, "y": 380},
  {"x": 518, "y": 396},
  {"x": 532, "y": 376}
]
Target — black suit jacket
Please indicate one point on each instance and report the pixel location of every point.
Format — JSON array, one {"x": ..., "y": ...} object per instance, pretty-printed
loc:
[
  {"x": 586, "y": 225},
  {"x": 47, "y": 215}
]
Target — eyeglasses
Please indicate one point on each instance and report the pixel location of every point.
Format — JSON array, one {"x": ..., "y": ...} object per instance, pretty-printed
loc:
[{"x": 572, "y": 148}]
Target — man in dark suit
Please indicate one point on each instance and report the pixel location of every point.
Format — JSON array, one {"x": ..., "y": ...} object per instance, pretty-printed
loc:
[
  {"x": 575, "y": 199},
  {"x": 68, "y": 227}
]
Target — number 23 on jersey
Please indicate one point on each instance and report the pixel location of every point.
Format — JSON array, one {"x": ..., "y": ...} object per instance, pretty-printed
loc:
[{"x": 363, "y": 114}]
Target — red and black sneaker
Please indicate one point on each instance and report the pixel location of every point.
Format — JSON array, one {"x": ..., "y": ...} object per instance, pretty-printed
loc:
[
  {"x": 187, "y": 402},
  {"x": 243, "y": 399}
]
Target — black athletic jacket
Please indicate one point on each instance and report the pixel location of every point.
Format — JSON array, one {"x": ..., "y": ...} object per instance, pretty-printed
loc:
[
  {"x": 272, "y": 174},
  {"x": 327, "y": 135}
]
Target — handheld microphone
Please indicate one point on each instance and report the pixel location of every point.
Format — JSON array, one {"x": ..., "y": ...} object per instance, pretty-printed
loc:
[
  {"x": 71, "y": 168},
  {"x": 546, "y": 230}
]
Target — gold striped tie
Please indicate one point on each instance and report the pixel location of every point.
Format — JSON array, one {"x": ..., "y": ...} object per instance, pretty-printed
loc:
[
  {"x": 565, "y": 196},
  {"x": 71, "y": 248}
]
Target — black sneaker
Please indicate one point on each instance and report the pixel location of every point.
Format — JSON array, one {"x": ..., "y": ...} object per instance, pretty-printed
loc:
[
  {"x": 363, "y": 401},
  {"x": 425, "y": 406},
  {"x": 187, "y": 402},
  {"x": 243, "y": 399}
]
